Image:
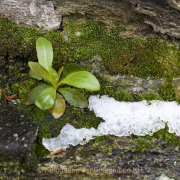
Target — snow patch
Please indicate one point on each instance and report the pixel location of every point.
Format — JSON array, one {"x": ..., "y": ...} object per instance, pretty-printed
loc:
[{"x": 121, "y": 119}]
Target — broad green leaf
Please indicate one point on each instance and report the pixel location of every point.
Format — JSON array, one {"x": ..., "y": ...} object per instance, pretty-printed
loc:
[
  {"x": 34, "y": 75},
  {"x": 82, "y": 79},
  {"x": 44, "y": 53},
  {"x": 48, "y": 82},
  {"x": 39, "y": 70},
  {"x": 70, "y": 68},
  {"x": 59, "y": 72},
  {"x": 73, "y": 97},
  {"x": 54, "y": 75},
  {"x": 34, "y": 93},
  {"x": 46, "y": 99},
  {"x": 59, "y": 107}
]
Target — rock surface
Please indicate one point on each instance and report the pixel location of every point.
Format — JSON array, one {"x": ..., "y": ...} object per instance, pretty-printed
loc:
[
  {"x": 101, "y": 160},
  {"x": 108, "y": 158},
  {"x": 17, "y": 136},
  {"x": 36, "y": 13},
  {"x": 130, "y": 84},
  {"x": 153, "y": 17},
  {"x": 140, "y": 17}
]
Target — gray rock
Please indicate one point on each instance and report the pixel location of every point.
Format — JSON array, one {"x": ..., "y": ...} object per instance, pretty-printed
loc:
[
  {"x": 111, "y": 158},
  {"x": 130, "y": 84},
  {"x": 37, "y": 13},
  {"x": 140, "y": 17}
]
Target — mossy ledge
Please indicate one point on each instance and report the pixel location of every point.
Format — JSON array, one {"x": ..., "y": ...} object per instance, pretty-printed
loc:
[
  {"x": 79, "y": 118},
  {"x": 125, "y": 56},
  {"x": 126, "y": 53}
]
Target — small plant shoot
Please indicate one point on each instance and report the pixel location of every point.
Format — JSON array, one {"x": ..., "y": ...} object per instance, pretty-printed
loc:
[{"x": 51, "y": 95}]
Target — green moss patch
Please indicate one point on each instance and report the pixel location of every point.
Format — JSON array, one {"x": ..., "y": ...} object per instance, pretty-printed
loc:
[
  {"x": 168, "y": 92},
  {"x": 146, "y": 143},
  {"x": 125, "y": 56}
]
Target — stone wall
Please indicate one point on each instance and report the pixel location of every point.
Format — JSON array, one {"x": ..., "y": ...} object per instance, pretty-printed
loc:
[{"x": 148, "y": 157}]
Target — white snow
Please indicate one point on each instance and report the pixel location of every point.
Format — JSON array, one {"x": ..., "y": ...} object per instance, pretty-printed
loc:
[
  {"x": 164, "y": 177},
  {"x": 121, "y": 119}
]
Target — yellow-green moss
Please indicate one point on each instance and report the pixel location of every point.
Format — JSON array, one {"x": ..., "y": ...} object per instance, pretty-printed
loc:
[
  {"x": 121, "y": 96},
  {"x": 168, "y": 92},
  {"x": 130, "y": 56},
  {"x": 148, "y": 97},
  {"x": 145, "y": 143}
]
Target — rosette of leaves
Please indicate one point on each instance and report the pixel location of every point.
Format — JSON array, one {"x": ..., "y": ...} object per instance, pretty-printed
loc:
[{"x": 51, "y": 95}]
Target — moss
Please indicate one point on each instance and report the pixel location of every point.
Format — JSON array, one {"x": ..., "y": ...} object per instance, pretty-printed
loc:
[
  {"x": 130, "y": 56},
  {"x": 149, "y": 97},
  {"x": 168, "y": 92},
  {"x": 14, "y": 71},
  {"x": 18, "y": 40},
  {"x": 85, "y": 118},
  {"x": 145, "y": 143},
  {"x": 121, "y": 96},
  {"x": 116, "y": 30},
  {"x": 100, "y": 140}
]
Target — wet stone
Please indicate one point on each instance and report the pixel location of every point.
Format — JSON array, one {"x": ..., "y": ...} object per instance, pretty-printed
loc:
[
  {"x": 111, "y": 158},
  {"x": 17, "y": 135}
]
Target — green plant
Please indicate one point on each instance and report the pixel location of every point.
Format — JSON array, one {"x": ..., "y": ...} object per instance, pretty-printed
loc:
[{"x": 47, "y": 96}]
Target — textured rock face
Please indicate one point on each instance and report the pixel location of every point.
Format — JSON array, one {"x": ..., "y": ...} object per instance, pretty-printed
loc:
[
  {"x": 161, "y": 15},
  {"x": 17, "y": 137},
  {"x": 112, "y": 158},
  {"x": 36, "y": 13},
  {"x": 130, "y": 84},
  {"x": 138, "y": 16}
]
